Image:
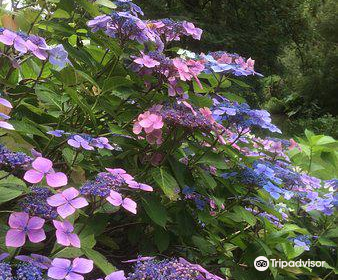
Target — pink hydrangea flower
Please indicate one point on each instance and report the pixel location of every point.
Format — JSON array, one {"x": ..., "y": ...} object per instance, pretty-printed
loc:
[
  {"x": 10, "y": 38},
  {"x": 66, "y": 269},
  {"x": 119, "y": 172},
  {"x": 116, "y": 199},
  {"x": 67, "y": 202},
  {"x": 64, "y": 234},
  {"x": 149, "y": 122},
  {"x": 146, "y": 61},
  {"x": 44, "y": 167},
  {"x": 140, "y": 186},
  {"x": 190, "y": 28},
  {"x": 21, "y": 225}
]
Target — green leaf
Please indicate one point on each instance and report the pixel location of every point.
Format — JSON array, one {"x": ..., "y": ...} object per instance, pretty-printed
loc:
[
  {"x": 155, "y": 210},
  {"x": 166, "y": 182},
  {"x": 7, "y": 194},
  {"x": 246, "y": 215},
  {"x": 99, "y": 260},
  {"x": 161, "y": 239},
  {"x": 106, "y": 3}
]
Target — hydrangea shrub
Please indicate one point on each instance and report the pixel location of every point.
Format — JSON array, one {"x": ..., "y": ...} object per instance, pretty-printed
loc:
[{"x": 122, "y": 156}]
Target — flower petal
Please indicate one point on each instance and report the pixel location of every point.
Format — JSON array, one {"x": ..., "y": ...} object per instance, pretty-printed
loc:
[
  {"x": 70, "y": 193},
  {"x": 61, "y": 263},
  {"x": 35, "y": 223},
  {"x": 115, "y": 198},
  {"x": 18, "y": 220},
  {"x": 117, "y": 275},
  {"x": 73, "y": 143},
  {"x": 57, "y": 273},
  {"x": 42, "y": 164},
  {"x": 82, "y": 265},
  {"x": 33, "y": 176},
  {"x": 74, "y": 276},
  {"x": 6, "y": 125},
  {"x": 74, "y": 240},
  {"x": 5, "y": 103},
  {"x": 130, "y": 205},
  {"x": 15, "y": 238},
  {"x": 36, "y": 235},
  {"x": 65, "y": 210},
  {"x": 57, "y": 179},
  {"x": 62, "y": 238},
  {"x": 79, "y": 202},
  {"x": 56, "y": 200}
]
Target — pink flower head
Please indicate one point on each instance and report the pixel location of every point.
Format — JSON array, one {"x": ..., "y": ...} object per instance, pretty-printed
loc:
[
  {"x": 250, "y": 64},
  {"x": 147, "y": 121},
  {"x": 44, "y": 167},
  {"x": 38, "y": 260},
  {"x": 117, "y": 275},
  {"x": 183, "y": 69},
  {"x": 10, "y": 38},
  {"x": 64, "y": 234},
  {"x": 119, "y": 172},
  {"x": 146, "y": 61},
  {"x": 67, "y": 202},
  {"x": 22, "y": 225},
  {"x": 36, "y": 50},
  {"x": 116, "y": 199},
  {"x": 66, "y": 269},
  {"x": 190, "y": 28},
  {"x": 140, "y": 186}
]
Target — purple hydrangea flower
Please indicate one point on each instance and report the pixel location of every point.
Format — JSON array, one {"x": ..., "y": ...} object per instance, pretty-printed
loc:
[
  {"x": 64, "y": 234},
  {"x": 70, "y": 270},
  {"x": 58, "y": 56},
  {"x": 21, "y": 225},
  {"x": 67, "y": 202},
  {"x": 43, "y": 167},
  {"x": 10, "y": 38}
]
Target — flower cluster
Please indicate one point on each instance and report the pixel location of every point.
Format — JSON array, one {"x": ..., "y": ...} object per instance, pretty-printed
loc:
[
  {"x": 4, "y": 117},
  {"x": 21, "y": 271},
  {"x": 35, "y": 203},
  {"x": 180, "y": 114},
  {"x": 109, "y": 184},
  {"x": 225, "y": 63},
  {"x": 85, "y": 141},
  {"x": 35, "y": 45},
  {"x": 190, "y": 194},
  {"x": 241, "y": 115},
  {"x": 170, "y": 30},
  {"x": 13, "y": 160},
  {"x": 167, "y": 70},
  {"x": 169, "y": 269},
  {"x": 123, "y": 26}
]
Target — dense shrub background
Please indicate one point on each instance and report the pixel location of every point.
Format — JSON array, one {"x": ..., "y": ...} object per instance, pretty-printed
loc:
[{"x": 118, "y": 144}]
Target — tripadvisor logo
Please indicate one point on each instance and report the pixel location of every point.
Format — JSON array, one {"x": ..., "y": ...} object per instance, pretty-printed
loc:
[{"x": 262, "y": 263}]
